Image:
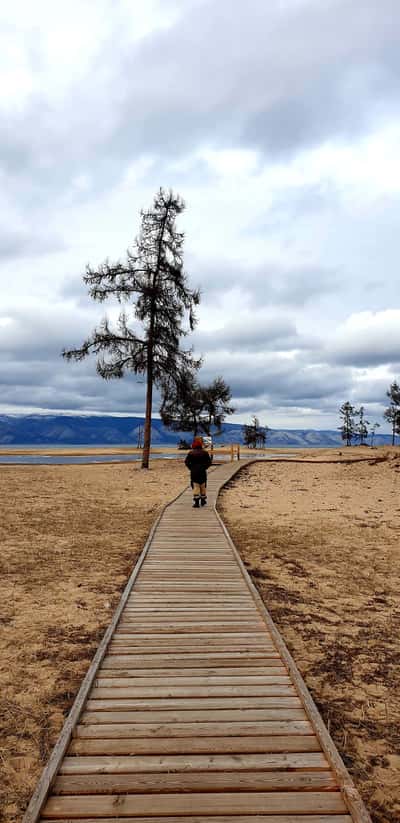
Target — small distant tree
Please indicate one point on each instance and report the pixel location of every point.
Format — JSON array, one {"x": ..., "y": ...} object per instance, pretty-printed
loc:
[
  {"x": 392, "y": 413},
  {"x": 374, "y": 427},
  {"x": 183, "y": 444},
  {"x": 153, "y": 280},
  {"x": 347, "y": 413},
  {"x": 189, "y": 406},
  {"x": 254, "y": 435},
  {"x": 361, "y": 428}
]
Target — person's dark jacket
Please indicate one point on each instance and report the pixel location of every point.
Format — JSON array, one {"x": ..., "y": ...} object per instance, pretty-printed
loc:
[{"x": 198, "y": 461}]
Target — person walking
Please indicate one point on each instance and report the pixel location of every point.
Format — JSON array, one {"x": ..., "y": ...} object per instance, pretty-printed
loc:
[{"x": 198, "y": 461}]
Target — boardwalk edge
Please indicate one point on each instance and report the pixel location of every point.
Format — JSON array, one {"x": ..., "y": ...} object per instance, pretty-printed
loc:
[
  {"x": 350, "y": 794},
  {"x": 49, "y": 773}
]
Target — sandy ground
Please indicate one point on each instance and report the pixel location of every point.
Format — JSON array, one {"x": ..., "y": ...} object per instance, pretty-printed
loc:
[
  {"x": 69, "y": 538},
  {"x": 321, "y": 542}
]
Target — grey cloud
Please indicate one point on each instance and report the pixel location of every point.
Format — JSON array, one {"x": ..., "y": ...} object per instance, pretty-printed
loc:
[
  {"x": 33, "y": 373},
  {"x": 365, "y": 350},
  {"x": 250, "y": 334},
  {"x": 15, "y": 244},
  {"x": 56, "y": 384},
  {"x": 279, "y": 381},
  {"x": 266, "y": 284},
  {"x": 276, "y": 80}
]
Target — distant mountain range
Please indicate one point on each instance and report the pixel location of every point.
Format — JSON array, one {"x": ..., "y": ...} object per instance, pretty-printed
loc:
[{"x": 62, "y": 430}]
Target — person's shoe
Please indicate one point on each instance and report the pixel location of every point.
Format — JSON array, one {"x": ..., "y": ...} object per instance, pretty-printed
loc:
[
  {"x": 203, "y": 501},
  {"x": 196, "y": 503}
]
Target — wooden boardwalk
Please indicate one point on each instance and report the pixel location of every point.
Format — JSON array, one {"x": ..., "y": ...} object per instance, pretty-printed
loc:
[{"x": 193, "y": 711}]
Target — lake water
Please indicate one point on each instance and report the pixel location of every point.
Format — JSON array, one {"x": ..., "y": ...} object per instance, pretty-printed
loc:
[
  {"x": 44, "y": 459},
  {"x": 50, "y": 459}
]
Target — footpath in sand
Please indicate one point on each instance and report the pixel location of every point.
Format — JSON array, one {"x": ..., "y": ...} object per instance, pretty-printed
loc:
[{"x": 321, "y": 542}]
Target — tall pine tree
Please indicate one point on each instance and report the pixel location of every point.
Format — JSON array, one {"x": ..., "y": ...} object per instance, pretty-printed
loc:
[
  {"x": 392, "y": 413},
  {"x": 347, "y": 414},
  {"x": 153, "y": 281},
  {"x": 189, "y": 406}
]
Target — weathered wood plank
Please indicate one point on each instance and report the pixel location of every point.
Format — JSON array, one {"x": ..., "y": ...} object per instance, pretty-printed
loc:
[
  {"x": 238, "y": 673},
  {"x": 206, "y": 729},
  {"x": 183, "y": 646},
  {"x": 192, "y": 745},
  {"x": 232, "y": 803},
  {"x": 114, "y": 703},
  {"x": 131, "y": 662},
  {"x": 234, "y": 715},
  {"x": 111, "y": 690},
  {"x": 259, "y": 818},
  {"x": 193, "y": 763},
  {"x": 122, "y": 638},
  {"x": 254, "y": 781}
]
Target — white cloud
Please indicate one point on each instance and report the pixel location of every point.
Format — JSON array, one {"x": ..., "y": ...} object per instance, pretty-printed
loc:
[{"x": 367, "y": 339}]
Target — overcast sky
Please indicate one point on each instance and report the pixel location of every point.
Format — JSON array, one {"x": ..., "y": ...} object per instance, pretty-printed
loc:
[{"x": 279, "y": 124}]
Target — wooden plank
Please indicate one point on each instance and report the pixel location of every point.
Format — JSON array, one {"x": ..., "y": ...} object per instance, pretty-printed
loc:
[
  {"x": 184, "y": 600},
  {"x": 196, "y": 686},
  {"x": 259, "y": 818},
  {"x": 192, "y": 745},
  {"x": 185, "y": 608},
  {"x": 170, "y": 563},
  {"x": 115, "y": 703},
  {"x": 177, "y": 598},
  {"x": 189, "y": 609},
  {"x": 272, "y": 691},
  {"x": 132, "y": 627},
  {"x": 195, "y": 649},
  {"x": 188, "y": 628},
  {"x": 179, "y": 632},
  {"x": 189, "y": 660},
  {"x": 294, "y": 781},
  {"x": 157, "y": 675},
  {"x": 205, "y": 729},
  {"x": 183, "y": 640},
  {"x": 193, "y": 763},
  {"x": 127, "y": 704},
  {"x": 207, "y": 619},
  {"x": 137, "y": 662},
  {"x": 178, "y": 715},
  {"x": 183, "y": 804},
  {"x": 176, "y": 575},
  {"x": 181, "y": 646}
]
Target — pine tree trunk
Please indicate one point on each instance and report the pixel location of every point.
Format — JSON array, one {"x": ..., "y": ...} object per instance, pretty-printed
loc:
[
  {"x": 149, "y": 404},
  {"x": 150, "y": 353}
]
